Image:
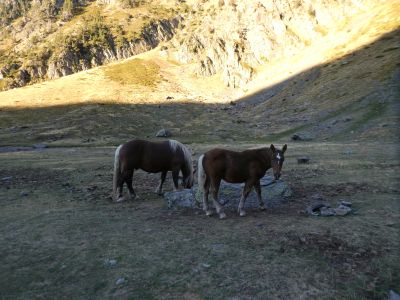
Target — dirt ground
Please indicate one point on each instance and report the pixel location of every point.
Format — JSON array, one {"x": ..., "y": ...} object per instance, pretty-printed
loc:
[{"x": 61, "y": 236}]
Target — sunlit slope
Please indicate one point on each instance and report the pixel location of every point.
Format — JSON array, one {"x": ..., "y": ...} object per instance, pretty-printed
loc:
[{"x": 344, "y": 86}]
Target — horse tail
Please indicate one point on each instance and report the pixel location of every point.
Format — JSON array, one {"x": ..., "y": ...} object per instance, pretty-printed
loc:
[
  {"x": 117, "y": 170},
  {"x": 201, "y": 175}
]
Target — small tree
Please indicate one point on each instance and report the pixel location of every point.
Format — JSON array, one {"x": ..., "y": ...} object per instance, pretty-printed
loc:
[{"x": 68, "y": 9}]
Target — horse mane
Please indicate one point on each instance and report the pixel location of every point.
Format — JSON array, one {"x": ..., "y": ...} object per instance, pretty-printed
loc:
[{"x": 175, "y": 145}]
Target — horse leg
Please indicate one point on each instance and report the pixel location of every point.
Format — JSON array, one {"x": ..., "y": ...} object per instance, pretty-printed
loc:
[
  {"x": 128, "y": 180},
  {"x": 120, "y": 185},
  {"x": 159, "y": 188},
  {"x": 245, "y": 193},
  {"x": 175, "y": 178},
  {"x": 257, "y": 187},
  {"x": 205, "y": 197},
  {"x": 215, "y": 188}
]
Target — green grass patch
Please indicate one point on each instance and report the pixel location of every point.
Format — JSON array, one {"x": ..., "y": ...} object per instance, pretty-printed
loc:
[{"x": 136, "y": 71}]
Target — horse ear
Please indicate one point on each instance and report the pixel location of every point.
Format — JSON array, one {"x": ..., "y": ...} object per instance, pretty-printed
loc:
[
  {"x": 284, "y": 148},
  {"x": 272, "y": 147}
]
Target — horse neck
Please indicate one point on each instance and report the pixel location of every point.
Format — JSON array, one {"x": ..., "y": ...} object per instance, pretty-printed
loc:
[{"x": 266, "y": 155}]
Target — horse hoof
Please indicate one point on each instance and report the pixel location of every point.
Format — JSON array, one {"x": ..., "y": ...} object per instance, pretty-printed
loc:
[
  {"x": 120, "y": 199},
  {"x": 209, "y": 213},
  {"x": 222, "y": 216},
  {"x": 242, "y": 213}
]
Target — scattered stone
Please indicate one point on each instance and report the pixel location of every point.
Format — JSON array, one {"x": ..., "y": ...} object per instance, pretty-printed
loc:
[
  {"x": 120, "y": 280},
  {"x": 7, "y": 178},
  {"x": 348, "y": 152},
  {"x": 304, "y": 136},
  {"x": 232, "y": 103},
  {"x": 40, "y": 146},
  {"x": 206, "y": 265},
  {"x": 345, "y": 203},
  {"x": 342, "y": 210},
  {"x": 326, "y": 211},
  {"x": 169, "y": 98},
  {"x": 303, "y": 160},
  {"x": 314, "y": 209},
  {"x": 163, "y": 133},
  {"x": 217, "y": 247},
  {"x": 393, "y": 295},
  {"x": 23, "y": 194},
  {"x": 110, "y": 262}
]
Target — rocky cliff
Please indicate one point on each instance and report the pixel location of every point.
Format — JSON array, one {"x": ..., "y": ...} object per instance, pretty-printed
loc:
[
  {"x": 229, "y": 37},
  {"x": 235, "y": 37},
  {"x": 42, "y": 42}
]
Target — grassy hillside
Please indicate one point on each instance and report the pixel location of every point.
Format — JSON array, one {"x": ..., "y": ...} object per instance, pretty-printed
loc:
[{"x": 349, "y": 90}]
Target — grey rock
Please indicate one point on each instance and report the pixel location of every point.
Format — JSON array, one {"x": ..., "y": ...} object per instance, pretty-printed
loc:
[
  {"x": 7, "y": 178},
  {"x": 163, "y": 133},
  {"x": 181, "y": 198},
  {"x": 120, "y": 281},
  {"x": 393, "y": 295},
  {"x": 23, "y": 194},
  {"x": 348, "y": 152},
  {"x": 315, "y": 209},
  {"x": 303, "y": 160},
  {"x": 40, "y": 146},
  {"x": 327, "y": 211},
  {"x": 302, "y": 136},
  {"x": 110, "y": 262},
  {"x": 342, "y": 210},
  {"x": 345, "y": 203},
  {"x": 273, "y": 193}
]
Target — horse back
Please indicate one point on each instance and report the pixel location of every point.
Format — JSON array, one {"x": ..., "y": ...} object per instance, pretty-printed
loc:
[
  {"x": 149, "y": 156},
  {"x": 233, "y": 166}
]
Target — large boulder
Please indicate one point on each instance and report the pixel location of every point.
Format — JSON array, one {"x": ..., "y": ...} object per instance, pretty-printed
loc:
[{"x": 273, "y": 193}]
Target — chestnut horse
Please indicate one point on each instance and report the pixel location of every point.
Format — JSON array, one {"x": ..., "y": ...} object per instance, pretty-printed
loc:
[
  {"x": 152, "y": 157},
  {"x": 248, "y": 166}
]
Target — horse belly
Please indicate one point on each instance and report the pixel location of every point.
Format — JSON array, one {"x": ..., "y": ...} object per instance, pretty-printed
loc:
[{"x": 234, "y": 177}]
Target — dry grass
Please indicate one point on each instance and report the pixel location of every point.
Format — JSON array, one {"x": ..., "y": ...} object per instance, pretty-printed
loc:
[
  {"x": 58, "y": 237},
  {"x": 135, "y": 71}
]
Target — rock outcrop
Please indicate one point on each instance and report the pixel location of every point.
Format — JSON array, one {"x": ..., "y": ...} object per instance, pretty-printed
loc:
[
  {"x": 70, "y": 61},
  {"x": 234, "y": 37}
]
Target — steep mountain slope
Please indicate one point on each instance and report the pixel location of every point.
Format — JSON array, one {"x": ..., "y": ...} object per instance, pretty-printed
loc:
[
  {"x": 235, "y": 37},
  {"x": 50, "y": 39},
  {"x": 343, "y": 86}
]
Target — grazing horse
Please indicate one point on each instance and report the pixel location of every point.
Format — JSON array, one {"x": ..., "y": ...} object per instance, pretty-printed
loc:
[
  {"x": 152, "y": 157},
  {"x": 248, "y": 166}
]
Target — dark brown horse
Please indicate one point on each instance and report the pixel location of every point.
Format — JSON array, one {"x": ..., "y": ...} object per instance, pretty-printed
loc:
[
  {"x": 248, "y": 166},
  {"x": 152, "y": 157}
]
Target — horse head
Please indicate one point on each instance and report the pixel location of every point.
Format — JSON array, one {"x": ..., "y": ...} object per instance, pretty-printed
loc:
[
  {"x": 188, "y": 180},
  {"x": 277, "y": 160}
]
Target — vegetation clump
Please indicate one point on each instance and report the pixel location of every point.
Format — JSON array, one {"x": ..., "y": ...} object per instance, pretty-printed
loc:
[{"x": 136, "y": 71}]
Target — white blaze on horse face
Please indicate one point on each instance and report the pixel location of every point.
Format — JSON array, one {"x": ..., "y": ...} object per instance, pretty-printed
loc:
[{"x": 278, "y": 156}]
